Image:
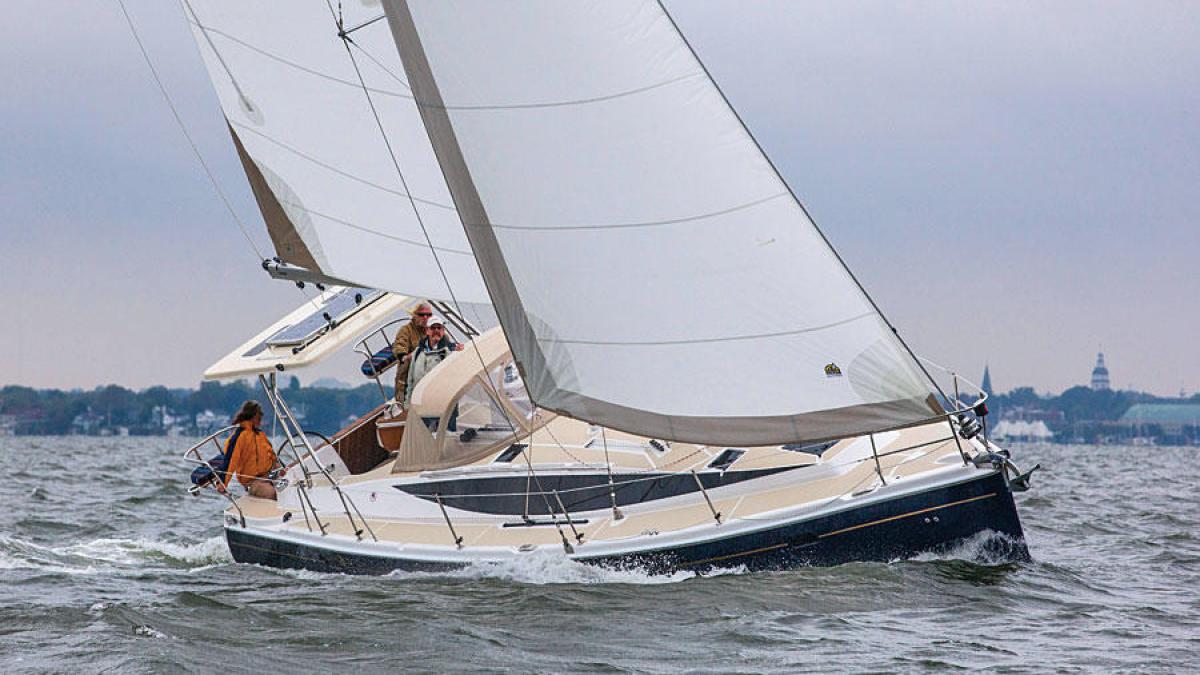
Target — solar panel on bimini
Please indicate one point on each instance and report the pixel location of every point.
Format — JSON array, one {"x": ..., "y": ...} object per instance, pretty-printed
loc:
[{"x": 336, "y": 309}]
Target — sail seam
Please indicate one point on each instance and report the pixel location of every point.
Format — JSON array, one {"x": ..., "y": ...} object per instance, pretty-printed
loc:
[
  {"x": 648, "y": 223},
  {"x": 569, "y": 102},
  {"x": 730, "y": 338},
  {"x": 297, "y": 66},
  {"x": 368, "y": 230},
  {"x": 330, "y": 167},
  {"x": 466, "y": 107}
]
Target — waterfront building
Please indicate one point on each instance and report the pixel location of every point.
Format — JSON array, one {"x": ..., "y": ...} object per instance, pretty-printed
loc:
[
  {"x": 986, "y": 385},
  {"x": 1180, "y": 421},
  {"x": 1100, "y": 380},
  {"x": 1015, "y": 430}
]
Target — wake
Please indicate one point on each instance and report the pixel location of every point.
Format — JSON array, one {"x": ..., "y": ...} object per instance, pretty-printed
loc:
[{"x": 111, "y": 554}]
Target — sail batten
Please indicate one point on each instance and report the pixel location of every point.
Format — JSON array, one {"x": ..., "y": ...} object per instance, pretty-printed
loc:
[{"x": 667, "y": 221}]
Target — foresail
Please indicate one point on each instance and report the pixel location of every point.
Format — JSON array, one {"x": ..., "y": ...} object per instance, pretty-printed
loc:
[
  {"x": 652, "y": 271},
  {"x": 319, "y": 165}
]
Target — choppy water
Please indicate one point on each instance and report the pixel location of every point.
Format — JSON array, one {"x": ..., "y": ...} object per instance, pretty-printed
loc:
[{"x": 107, "y": 565}]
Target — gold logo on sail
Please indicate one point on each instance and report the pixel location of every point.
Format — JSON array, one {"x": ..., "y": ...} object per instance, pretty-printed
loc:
[{"x": 832, "y": 370}]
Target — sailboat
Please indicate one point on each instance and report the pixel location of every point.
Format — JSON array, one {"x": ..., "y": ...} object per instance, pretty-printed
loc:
[{"x": 666, "y": 364}]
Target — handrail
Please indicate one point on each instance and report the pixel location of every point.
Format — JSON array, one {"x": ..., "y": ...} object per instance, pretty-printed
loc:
[
  {"x": 192, "y": 454},
  {"x": 271, "y": 391},
  {"x": 284, "y": 414},
  {"x": 981, "y": 395},
  {"x": 361, "y": 347}
]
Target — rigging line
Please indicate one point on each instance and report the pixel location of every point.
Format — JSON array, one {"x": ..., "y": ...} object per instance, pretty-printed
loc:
[
  {"x": 564, "y": 448},
  {"x": 314, "y": 160},
  {"x": 779, "y": 176},
  {"x": 220, "y": 59},
  {"x": 297, "y": 66},
  {"x": 364, "y": 24},
  {"x": 731, "y": 338},
  {"x": 541, "y": 490},
  {"x": 377, "y": 62},
  {"x": 433, "y": 250},
  {"x": 312, "y": 299},
  {"x": 183, "y": 128},
  {"x": 245, "y": 101},
  {"x": 648, "y": 223}
]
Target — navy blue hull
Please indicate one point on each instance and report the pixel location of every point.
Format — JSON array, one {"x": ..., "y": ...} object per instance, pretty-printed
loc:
[{"x": 930, "y": 521}]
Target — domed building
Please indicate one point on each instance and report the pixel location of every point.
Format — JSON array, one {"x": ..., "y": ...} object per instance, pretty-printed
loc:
[{"x": 1100, "y": 375}]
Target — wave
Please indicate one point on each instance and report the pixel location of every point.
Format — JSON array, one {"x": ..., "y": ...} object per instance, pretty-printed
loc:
[
  {"x": 548, "y": 568},
  {"x": 109, "y": 554},
  {"x": 540, "y": 568},
  {"x": 988, "y": 548},
  {"x": 134, "y": 551}
]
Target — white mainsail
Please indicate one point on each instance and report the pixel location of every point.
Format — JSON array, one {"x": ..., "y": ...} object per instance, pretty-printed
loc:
[
  {"x": 652, "y": 271},
  {"x": 309, "y": 141}
]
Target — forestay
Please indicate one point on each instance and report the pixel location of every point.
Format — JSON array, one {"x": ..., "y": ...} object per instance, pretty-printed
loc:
[
  {"x": 317, "y": 161},
  {"x": 652, "y": 271}
]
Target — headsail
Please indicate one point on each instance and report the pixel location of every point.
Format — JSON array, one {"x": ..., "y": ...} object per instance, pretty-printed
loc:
[
  {"x": 312, "y": 149},
  {"x": 652, "y": 271}
]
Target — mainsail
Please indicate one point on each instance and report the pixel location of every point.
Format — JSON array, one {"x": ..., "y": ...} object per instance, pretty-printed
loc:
[
  {"x": 313, "y": 150},
  {"x": 651, "y": 269}
]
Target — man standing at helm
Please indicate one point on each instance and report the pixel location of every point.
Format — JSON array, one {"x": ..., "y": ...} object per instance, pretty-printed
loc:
[{"x": 407, "y": 340}]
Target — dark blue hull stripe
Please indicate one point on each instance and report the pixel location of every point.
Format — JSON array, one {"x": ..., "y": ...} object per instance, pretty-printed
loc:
[
  {"x": 931, "y": 521},
  {"x": 588, "y": 492}
]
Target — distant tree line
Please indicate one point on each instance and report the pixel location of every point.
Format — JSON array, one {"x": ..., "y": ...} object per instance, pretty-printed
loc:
[
  {"x": 1075, "y": 413},
  {"x": 1077, "y": 404},
  {"x": 157, "y": 410}
]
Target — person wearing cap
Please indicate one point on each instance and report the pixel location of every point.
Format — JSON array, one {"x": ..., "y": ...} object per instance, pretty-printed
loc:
[
  {"x": 408, "y": 338},
  {"x": 432, "y": 350}
]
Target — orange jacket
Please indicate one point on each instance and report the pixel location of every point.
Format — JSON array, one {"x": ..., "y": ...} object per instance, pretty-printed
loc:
[{"x": 253, "y": 456}]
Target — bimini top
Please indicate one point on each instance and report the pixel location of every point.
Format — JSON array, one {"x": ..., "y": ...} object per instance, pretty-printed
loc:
[{"x": 315, "y": 330}]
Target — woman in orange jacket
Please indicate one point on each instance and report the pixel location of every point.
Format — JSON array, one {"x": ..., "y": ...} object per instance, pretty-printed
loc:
[{"x": 252, "y": 457}]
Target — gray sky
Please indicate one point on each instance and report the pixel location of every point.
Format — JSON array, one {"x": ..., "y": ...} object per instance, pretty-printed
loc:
[{"x": 1014, "y": 183}]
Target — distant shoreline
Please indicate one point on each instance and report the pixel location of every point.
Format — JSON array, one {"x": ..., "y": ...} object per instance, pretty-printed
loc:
[{"x": 1079, "y": 415}]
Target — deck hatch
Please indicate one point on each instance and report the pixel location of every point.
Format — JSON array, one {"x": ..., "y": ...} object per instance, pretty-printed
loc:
[
  {"x": 727, "y": 457},
  {"x": 810, "y": 448},
  {"x": 510, "y": 453}
]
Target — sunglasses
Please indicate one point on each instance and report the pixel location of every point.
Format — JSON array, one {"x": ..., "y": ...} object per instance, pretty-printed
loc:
[
  {"x": 437, "y": 327},
  {"x": 424, "y": 313}
]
